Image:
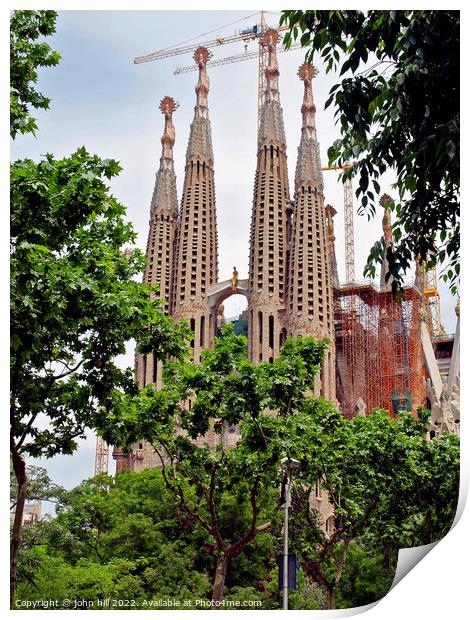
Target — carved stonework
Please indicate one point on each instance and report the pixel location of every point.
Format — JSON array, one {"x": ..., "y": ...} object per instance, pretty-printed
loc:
[
  {"x": 271, "y": 130},
  {"x": 269, "y": 222},
  {"x": 330, "y": 212},
  {"x": 385, "y": 201},
  {"x": 309, "y": 300},
  {"x": 308, "y": 170},
  {"x": 200, "y": 135},
  {"x": 445, "y": 411}
]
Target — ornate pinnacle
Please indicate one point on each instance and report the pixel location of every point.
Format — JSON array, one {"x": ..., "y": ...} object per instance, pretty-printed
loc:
[
  {"x": 384, "y": 202},
  {"x": 201, "y": 56},
  {"x": 270, "y": 40},
  {"x": 306, "y": 73},
  {"x": 330, "y": 213},
  {"x": 167, "y": 106}
]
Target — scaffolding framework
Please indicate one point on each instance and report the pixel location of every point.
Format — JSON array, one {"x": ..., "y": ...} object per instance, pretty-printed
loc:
[
  {"x": 379, "y": 351},
  {"x": 101, "y": 457}
]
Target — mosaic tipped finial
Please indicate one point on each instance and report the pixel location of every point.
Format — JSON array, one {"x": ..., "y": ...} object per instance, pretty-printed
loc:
[
  {"x": 201, "y": 57},
  {"x": 167, "y": 106},
  {"x": 306, "y": 73}
]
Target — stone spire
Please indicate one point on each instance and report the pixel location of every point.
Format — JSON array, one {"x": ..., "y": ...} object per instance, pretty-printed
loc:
[
  {"x": 269, "y": 222},
  {"x": 330, "y": 212},
  {"x": 308, "y": 170},
  {"x": 159, "y": 271},
  {"x": 271, "y": 129},
  {"x": 310, "y": 299},
  {"x": 384, "y": 202},
  {"x": 200, "y": 136},
  {"x": 196, "y": 261},
  {"x": 161, "y": 237},
  {"x": 164, "y": 197}
]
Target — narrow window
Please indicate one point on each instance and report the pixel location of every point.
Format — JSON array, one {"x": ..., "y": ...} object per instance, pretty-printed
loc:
[
  {"x": 192, "y": 327},
  {"x": 203, "y": 330},
  {"x": 271, "y": 332}
]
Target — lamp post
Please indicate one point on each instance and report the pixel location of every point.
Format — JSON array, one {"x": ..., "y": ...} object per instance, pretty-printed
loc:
[{"x": 288, "y": 465}]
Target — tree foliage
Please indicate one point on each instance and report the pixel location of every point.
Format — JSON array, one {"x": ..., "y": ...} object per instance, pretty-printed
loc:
[
  {"x": 397, "y": 109},
  {"x": 121, "y": 538},
  {"x": 27, "y": 54},
  {"x": 223, "y": 391},
  {"x": 39, "y": 486},
  {"x": 386, "y": 484},
  {"x": 75, "y": 301}
]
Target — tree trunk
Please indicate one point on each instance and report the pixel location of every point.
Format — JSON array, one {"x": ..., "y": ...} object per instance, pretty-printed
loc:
[
  {"x": 342, "y": 560},
  {"x": 219, "y": 581},
  {"x": 330, "y": 597},
  {"x": 388, "y": 559},
  {"x": 19, "y": 467}
]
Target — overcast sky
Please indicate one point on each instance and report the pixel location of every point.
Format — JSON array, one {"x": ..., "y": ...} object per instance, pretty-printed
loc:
[{"x": 101, "y": 100}]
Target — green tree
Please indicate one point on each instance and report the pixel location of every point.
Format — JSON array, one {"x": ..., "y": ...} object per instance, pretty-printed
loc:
[
  {"x": 74, "y": 298},
  {"x": 223, "y": 391},
  {"x": 365, "y": 578},
  {"x": 27, "y": 54},
  {"x": 74, "y": 305},
  {"x": 397, "y": 109},
  {"x": 385, "y": 482},
  {"x": 39, "y": 486},
  {"x": 132, "y": 518}
]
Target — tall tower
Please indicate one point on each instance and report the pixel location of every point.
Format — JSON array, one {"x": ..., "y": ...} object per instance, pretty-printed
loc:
[
  {"x": 161, "y": 238},
  {"x": 196, "y": 261},
  {"x": 269, "y": 222},
  {"x": 159, "y": 270},
  {"x": 310, "y": 289}
]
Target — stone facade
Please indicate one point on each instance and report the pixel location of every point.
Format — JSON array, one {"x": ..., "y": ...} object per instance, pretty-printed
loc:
[
  {"x": 161, "y": 237},
  {"x": 270, "y": 223},
  {"x": 196, "y": 259},
  {"x": 310, "y": 292}
]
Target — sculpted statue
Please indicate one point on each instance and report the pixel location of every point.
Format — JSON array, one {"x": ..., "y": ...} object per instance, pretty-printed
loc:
[{"x": 234, "y": 280}]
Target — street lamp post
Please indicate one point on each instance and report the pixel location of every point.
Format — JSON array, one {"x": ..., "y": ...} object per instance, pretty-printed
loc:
[{"x": 288, "y": 465}]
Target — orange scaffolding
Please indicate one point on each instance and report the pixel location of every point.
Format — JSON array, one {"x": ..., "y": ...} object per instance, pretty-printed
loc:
[{"x": 379, "y": 352}]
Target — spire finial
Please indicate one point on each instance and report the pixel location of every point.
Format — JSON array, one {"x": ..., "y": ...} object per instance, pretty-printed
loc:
[
  {"x": 167, "y": 106},
  {"x": 270, "y": 39},
  {"x": 330, "y": 213},
  {"x": 306, "y": 73},
  {"x": 385, "y": 202},
  {"x": 201, "y": 57}
]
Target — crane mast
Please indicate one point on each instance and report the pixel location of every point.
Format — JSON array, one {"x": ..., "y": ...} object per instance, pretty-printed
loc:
[{"x": 101, "y": 457}]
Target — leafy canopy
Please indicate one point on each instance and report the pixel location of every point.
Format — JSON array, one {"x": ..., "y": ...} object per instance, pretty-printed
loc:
[
  {"x": 74, "y": 300},
  {"x": 397, "y": 109},
  {"x": 27, "y": 54}
]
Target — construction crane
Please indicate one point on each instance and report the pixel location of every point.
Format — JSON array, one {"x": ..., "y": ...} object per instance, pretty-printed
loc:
[
  {"x": 101, "y": 457},
  {"x": 348, "y": 224},
  {"x": 248, "y": 35},
  {"x": 431, "y": 293},
  {"x": 229, "y": 59}
]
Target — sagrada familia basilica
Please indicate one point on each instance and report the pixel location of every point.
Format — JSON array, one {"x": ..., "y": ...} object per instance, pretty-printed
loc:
[{"x": 382, "y": 353}]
